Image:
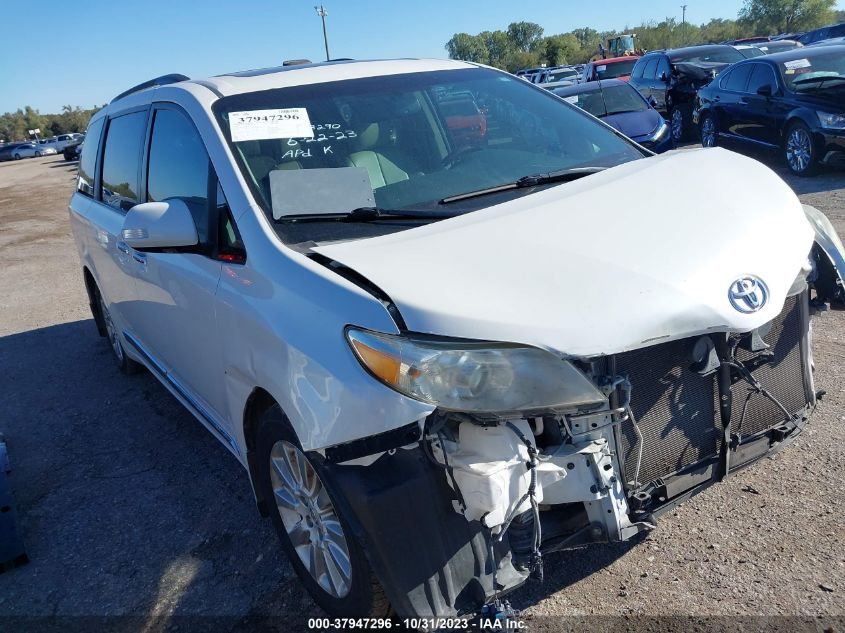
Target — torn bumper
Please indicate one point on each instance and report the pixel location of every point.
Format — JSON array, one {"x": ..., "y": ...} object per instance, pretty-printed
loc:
[{"x": 447, "y": 522}]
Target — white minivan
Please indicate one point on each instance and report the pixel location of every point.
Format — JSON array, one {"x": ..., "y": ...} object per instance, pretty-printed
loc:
[{"x": 446, "y": 342}]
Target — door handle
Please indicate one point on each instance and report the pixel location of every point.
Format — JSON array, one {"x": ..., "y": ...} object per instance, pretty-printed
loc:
[
  {"x": 141, "y": 258},
  {"x": 717, "y": 98},
  {"x": 123, "y": 247}
]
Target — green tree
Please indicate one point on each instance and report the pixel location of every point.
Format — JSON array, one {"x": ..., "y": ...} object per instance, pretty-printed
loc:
[
  {"x": 498, "y": 46},
  {"x": 558, "y": 49},
  {"x": 783, "y": 16},
  {"x": 467, "y": 47},
  {"x": 524, "y": 35}
]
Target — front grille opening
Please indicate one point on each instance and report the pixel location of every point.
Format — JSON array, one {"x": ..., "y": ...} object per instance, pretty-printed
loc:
[{"x": 677, "y": 409}]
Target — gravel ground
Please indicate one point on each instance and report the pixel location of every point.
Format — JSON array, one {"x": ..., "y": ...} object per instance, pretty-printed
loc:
[{"x": 129, "y": 507}]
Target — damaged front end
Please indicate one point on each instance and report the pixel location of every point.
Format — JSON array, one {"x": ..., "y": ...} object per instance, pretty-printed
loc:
[{"x": 526, "y": 453}]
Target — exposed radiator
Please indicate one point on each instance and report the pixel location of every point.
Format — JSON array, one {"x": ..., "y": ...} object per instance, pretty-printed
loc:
[{"x": 677, "y": 409}]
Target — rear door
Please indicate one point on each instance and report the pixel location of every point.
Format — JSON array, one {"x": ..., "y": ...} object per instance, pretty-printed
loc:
[
  {"x": 176, "y": 290},
  {"x": 733, "y": 114},
  {"x": 764, "y": 114},
  {"x": 116, "y": 190}
]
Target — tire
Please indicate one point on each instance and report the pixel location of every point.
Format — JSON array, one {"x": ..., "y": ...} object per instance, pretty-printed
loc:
[
  {"x": 17, "y": 157},
  {"x": 799, "y": 151},
  {"x": 679, "y": 122},
  {"x": 38, "y": 154},
  {"x": 125, "y": 364},
  {"x": 302, "y": 509},
  {"x": 709, "y": 136}
]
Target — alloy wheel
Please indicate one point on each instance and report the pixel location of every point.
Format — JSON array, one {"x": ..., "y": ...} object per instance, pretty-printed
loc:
[
  {"x": 799, "y": 150},
  {"x": 310, "y": 520},
  {"x": 677, "y": 122},
  {"x": 708, "y": 132},
  {"x": 111, "y": 331}
]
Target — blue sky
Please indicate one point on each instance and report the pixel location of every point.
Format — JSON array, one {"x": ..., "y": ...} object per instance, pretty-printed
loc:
[{"x": 119, "y": 43}]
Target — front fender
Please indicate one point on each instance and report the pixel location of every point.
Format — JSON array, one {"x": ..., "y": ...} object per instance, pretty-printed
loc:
[{"x": 828, "y": 241}]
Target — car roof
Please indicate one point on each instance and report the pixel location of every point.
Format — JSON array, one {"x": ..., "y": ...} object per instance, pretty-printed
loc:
[
  {"x": 613, "y": 60},
  {"x": 589, "y": 86},
  {"x": 802, "y": 53},
  {"x": 260, "y": 79},
  {"x": 693, "y": 49}
]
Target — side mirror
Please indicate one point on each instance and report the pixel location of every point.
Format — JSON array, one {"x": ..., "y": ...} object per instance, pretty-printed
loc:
[
  {"x": 664, "y": 77},
  {"x": 652, "y": 101},
  {"x": 765, "y": 91},
  {"x": 166, "y": 224}
]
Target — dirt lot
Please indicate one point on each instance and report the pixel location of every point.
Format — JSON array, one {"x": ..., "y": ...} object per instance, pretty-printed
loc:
[{"x": 130, "y": 508}]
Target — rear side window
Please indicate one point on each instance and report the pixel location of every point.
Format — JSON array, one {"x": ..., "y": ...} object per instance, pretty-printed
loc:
[
  {"x": 121, "y": 160},
  {"x": 638, "y": 69},
  {"x": 178, "y": 166},
  {"x": 738, "y": 78},
  {"x": 88, "y": 159}
]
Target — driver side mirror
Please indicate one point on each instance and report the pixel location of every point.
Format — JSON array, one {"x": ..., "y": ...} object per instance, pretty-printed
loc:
[
  {"x": 652, "y": 101},
  {"x": 664, "y": 77},
  {"x": 765, "y": 91},
  {"x": 167, "y": 224}
]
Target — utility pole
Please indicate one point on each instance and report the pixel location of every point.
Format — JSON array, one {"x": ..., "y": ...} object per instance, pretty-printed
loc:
[
  {"x": 683, "y": 25},
  {"x": 321, "y": 11}
]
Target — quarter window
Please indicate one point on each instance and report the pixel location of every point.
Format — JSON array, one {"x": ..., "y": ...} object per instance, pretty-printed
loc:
[
  {"x": 88, "y": 158},
  {"x": 121, "y": 159},
  {"x": 651, "y": 68},
  {"x": 663, "y": 67},
  {"x": 178, "y": 166}
]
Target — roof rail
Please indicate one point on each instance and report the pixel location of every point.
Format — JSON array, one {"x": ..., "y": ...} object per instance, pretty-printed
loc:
[{"x": 158, "y": 81}]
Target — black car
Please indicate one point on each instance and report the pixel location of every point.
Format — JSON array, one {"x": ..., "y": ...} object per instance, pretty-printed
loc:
[
  {"x": 824, "y": 33},
  {"x": 673, "y": 77},
  {"x": 71, "y": 151},
  {"x": 793, "y": 102}
]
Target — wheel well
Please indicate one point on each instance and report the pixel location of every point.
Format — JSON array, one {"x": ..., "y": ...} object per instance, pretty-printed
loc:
[
  {"x": 257, "y": 403},
  {"x": 91, "y": 288}
]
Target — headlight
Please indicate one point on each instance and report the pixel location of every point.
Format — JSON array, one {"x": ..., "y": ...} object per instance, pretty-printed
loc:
[
  {"x": 660, "y": 132},
  {"x": 474, "y": 376},
  {"x": 832, "y": 121}
]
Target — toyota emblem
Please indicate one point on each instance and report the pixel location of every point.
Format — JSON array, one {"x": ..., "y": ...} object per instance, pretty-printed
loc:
[{"x": 748, "y": 294}]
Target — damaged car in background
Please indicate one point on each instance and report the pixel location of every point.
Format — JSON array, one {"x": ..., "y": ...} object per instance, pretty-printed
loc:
[{"x": 441, "y": 355}]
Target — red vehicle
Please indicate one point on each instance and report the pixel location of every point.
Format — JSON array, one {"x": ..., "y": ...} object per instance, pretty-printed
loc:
[{"x": 612, "y": 68}]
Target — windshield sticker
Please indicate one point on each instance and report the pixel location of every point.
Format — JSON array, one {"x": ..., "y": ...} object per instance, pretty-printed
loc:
[
  {"x": 319, "y": 191},
  {"x": 601, "y": 68},
  {"x": 796, "y": 64},
  {"x": 257, "y": 125}
]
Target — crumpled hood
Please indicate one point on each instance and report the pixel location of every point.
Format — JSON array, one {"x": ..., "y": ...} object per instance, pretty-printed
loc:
[{"x": 638, "y": 254}]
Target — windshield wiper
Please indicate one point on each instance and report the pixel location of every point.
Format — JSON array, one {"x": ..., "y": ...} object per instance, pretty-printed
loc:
[
  {"x": 820, "y": 80},
  {"x": 368, "y": 214},
  {"x": 563, "y": 175}
]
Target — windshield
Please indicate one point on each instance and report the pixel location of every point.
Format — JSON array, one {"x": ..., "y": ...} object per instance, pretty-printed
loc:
[
  {"x": 560, "y": 75},
  {"x": 715, "y": 55},
  {"x": 608, "y": 100},
  {"x": 414, "y": 138},
  {"x": 816, "y": 72},
  {"x": 616, "y": 69}
]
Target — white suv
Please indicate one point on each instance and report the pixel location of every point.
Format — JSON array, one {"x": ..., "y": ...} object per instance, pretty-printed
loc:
[{"x": 444, "y": 341}]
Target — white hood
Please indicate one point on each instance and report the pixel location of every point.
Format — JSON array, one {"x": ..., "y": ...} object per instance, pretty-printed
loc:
[{"x": 638, "y": 254}]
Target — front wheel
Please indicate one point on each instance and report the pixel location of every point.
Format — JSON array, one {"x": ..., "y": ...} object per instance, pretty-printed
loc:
[
  {"x": 38, "y": 154},
  {"x": 708, "y": 131},
  {"x": 17, "y": 156},
  {"x": 679, "y": 122},
  {"x": 124, "y": 363},
  {"x": 799, "y": 150},
  {"x": 317, "y": 540}
]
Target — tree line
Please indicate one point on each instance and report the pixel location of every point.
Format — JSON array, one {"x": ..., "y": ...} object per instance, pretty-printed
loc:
[
  {"x": 524, "y": 44},
  {"x": 15, "y": 126}
]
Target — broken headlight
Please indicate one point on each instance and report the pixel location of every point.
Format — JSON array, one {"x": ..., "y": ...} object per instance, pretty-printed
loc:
[{"x": 474, "y": 377}]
